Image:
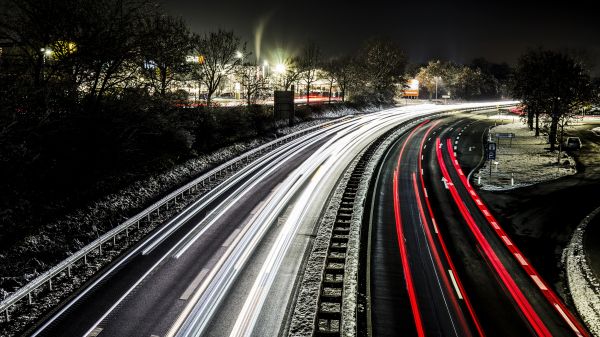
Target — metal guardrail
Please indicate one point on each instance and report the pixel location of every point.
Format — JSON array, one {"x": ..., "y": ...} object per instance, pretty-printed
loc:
[
  {"x": 67, "y": 264},
  {"x": 96, "y": 245}
]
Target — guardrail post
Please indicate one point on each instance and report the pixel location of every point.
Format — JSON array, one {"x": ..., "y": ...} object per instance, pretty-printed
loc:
[
  {"x": 167, "y": 210},
  {"x": 85, "y": 259},
  {"x": 115, "y": 240},
  {"x": 29, "y": 300},
  {"x": 138, "y": 222},
  {"x": 69, "y": 271},
  {"x": 127, "y": 232},
  {"x": 100, "y": 248},
  {"x": 50, "y": 284},
  {"x": 7, "y": 316}
]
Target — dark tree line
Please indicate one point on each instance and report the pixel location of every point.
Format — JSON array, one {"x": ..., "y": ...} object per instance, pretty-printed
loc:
[{"x": 554, "y": 85}]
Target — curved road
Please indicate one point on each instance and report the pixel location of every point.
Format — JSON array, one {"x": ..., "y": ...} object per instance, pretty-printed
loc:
[
  {"x": 213, "y": 267},
  {"x": 440, "y": 263}
]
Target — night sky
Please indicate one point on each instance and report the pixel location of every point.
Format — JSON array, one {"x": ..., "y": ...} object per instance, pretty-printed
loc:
[{"x": 449, "y": 30}]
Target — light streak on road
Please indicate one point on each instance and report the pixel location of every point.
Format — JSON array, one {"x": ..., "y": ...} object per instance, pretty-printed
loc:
[
  {"x": 347, "y": 137},
  {"x": 550, "y": 295},
  {"x": 530, "y": 314},
  {"x": 455, "y": 278}
]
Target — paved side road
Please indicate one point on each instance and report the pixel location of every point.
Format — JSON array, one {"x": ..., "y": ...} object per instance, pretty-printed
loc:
[{"x": 543, "y": 216}]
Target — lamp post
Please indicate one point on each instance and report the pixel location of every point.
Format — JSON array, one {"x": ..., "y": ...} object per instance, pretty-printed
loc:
[
  {"x": 264, "y": 67},
  {"x": 436, "y": 86}
]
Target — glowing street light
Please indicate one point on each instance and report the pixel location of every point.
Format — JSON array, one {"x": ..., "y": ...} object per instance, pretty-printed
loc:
[
  {"x": 239, "y": 54},
  {"x": 280, "y": 68}
]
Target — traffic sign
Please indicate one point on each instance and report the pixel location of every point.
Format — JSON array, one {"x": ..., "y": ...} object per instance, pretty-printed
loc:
[{"x": 491, "y": 151}]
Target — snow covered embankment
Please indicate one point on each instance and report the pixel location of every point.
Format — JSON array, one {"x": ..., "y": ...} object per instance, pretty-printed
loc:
[
  {"x": 583, "y": 284},
  {"x": 303, "y": 320},
  {"x": 526, "y": 160},
  {"x": 307, "y": 303}
]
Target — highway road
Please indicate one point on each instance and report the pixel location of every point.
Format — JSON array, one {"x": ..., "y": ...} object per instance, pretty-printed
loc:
[
  {"x": 439, "y": 257},
  {"x": 227, "y": 264}
]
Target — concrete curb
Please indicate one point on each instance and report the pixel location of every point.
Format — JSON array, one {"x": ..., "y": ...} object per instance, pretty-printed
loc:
[{"x": 583, "y": 285}]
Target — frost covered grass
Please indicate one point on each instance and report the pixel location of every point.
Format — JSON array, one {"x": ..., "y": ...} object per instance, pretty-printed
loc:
[
  {"x": 527, "y": 161},
  {"x": 583, "y": 285}
]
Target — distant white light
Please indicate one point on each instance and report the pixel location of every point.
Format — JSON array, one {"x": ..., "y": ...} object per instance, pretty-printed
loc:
[
  {"x": 239, "y": 54},
  {"x": 280, "y": 68}
]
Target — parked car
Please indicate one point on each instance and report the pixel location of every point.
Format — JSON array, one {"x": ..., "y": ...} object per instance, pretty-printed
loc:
[{"x": 573, "y": 143}]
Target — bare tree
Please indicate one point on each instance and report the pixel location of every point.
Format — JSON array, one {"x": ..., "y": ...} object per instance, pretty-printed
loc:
[
  {"x": 553, "y": 82},
  {"x": 166, "y": 41},
  {"x": 342, "y": 72},
  {"x": 252, "y": 81},
  {"x": 381, "y": 69},
  {"x": 309, "y": 65},
  {"x": 218, "y": 53},
  {"x": 291, "y": 72}
]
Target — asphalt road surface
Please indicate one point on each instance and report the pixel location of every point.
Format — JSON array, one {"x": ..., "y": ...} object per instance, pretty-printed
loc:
[
  {"x": 227, "y": 264},
  {"x": 507, "y": 296}
]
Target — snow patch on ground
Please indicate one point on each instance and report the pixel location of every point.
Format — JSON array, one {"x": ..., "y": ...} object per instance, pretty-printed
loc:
[
  {"x": 596, "y": 131},
  {"x": 583, "y": 284},
  {"x": 527, "y": 161}
]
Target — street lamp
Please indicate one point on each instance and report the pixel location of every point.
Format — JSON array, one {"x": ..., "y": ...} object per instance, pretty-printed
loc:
[
  {"x": 46, "y": 52},
  {"x": 264, "y": 67},
  {"x": 239, "y": 54},
  {"x": 437, "y": 78},
  {"x": 280, "y": 68}
]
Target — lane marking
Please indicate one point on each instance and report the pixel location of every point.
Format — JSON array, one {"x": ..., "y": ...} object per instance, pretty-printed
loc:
[
  {"x": 521, "y": 259},
  {"x": 454, "y": 284},
  {"x": 231, "y": 237},
  {"x": 190, "y": 289},
  {"x": 95, "y": 332},
  {"x": 506, "y": 240},
  {"x": 539, "y": 283},
  {"x": 495, "y": 225},
  {"x": 562, "y": 313}
]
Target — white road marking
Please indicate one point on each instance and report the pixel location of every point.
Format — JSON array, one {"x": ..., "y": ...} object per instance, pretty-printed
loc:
[
  {"x": 539, "y": 283},
  {"x": 455, "y": 284},
  {"x": 521, "y": 259},
  {"x": 190, "y": 289},
  {"x": 95, "y": 332},
  {"x": 231, "y": 238},
  {"x": 507, "y": 240},
  {"x": 562, "y": 313}
]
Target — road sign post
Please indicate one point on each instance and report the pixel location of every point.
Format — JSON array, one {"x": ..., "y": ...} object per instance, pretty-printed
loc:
[
  {"x": 284, "y": 105},
  {"x": 491, "y": 154}
]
